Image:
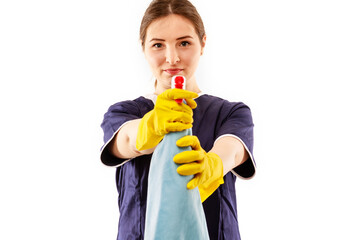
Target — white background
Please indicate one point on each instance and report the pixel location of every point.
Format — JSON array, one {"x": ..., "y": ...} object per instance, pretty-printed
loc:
[{"x": 295, "y": 63}]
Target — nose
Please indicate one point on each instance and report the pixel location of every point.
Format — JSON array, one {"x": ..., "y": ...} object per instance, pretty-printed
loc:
[{"x": 172, "y": 56}]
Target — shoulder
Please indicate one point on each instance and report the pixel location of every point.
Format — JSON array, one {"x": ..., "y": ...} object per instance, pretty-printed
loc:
[
  {"x": 219, "y": 104},
  {"x": 210, "y": 99},
  {"x": 138, "y": 106}
]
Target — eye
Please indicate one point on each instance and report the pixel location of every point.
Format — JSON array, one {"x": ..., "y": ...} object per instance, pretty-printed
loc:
[
  {"x": 157, "y": 45},
  {"x": 184, "y": 43}
]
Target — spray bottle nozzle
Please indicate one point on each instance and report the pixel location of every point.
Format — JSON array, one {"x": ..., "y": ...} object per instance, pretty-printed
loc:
[{"x": 178, "y": 82}]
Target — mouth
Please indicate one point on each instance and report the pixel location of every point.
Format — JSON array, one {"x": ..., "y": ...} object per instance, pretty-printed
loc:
[{"x": 173, "y": 71}]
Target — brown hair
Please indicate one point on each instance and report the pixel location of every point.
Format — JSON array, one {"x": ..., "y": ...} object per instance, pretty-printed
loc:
[{"x": 163, "y": 8}]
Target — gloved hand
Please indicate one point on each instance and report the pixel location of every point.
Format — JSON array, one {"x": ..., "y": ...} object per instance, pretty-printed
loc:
[
  {"x": 207, "y": 167},
  {"x": 167, "y": 116}
]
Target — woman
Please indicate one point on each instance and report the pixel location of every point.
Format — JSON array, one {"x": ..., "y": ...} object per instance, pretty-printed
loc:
[{"x": 173, "y": 39}]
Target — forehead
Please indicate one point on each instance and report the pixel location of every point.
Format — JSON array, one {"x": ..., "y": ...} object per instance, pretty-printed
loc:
[{"x": 172, "y": 26}]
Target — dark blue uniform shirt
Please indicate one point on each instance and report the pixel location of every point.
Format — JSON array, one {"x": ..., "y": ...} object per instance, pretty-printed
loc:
[{"x": 214, "y": 117}]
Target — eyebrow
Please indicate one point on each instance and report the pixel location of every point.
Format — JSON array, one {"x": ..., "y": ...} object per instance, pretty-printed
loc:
[{"x": 162, "y": 40}]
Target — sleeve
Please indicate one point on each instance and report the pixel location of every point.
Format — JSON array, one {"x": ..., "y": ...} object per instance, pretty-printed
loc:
[
  {"x": 238, "y": 123},
  {"x": 115, "y": 118}
]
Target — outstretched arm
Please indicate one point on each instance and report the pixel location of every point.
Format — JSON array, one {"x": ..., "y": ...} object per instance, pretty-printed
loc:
[
  {"x": 231, "y": 151},
  {"x": 124, "y": 143},
  {"x": 208, "y": 168}
]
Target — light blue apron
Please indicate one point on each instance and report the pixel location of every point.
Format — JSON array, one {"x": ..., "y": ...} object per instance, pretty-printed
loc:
[{"x": 172, "y": 212}]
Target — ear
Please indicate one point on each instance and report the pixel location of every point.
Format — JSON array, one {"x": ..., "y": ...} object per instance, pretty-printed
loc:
[
  {"x": 141, "y": 45},
  {"x": 203, "y": 42}
]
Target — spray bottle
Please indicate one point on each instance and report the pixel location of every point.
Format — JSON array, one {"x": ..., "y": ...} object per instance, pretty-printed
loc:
[{"x": 172, "y": 211}]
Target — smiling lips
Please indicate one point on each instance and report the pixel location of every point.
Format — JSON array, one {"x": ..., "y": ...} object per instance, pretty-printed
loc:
[{"x": 173, "y": 71}]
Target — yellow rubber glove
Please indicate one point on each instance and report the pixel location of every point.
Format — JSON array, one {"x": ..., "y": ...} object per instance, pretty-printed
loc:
[
  {"x": 207, "y": 167},
  {"x": 167, "y": 116}
]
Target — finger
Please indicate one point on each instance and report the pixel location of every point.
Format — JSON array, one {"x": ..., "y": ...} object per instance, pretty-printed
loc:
[
  {"x": 191, "y": 103},
  {"x": 177, "y": 126},
  {"x": 180, "y": 117},
  {"x": 166, "y": 105},
  {"x": 189, "y": 169},
  {"x": 178, "y": 94},
  {"x": 189, "y": 140},
  {"x": 188, "y": 157},
  {"x": 193, "y": 183},
  {"x": 188, "y": 102},
  {"x": 179, "y": 108}
]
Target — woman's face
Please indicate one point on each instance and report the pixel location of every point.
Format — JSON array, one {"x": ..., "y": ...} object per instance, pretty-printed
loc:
[{"x": 172, "y": 47}]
